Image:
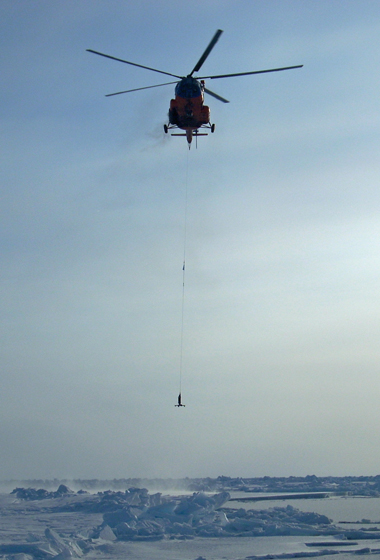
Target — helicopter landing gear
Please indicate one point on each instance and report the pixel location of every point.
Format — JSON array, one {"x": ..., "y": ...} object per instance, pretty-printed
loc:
[
  {"x": 212, "y": 127},
  {"x": 166, "y": 128}
]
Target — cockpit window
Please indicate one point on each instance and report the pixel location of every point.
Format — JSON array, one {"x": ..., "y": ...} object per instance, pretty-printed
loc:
[{"x": 188, "y": 88}]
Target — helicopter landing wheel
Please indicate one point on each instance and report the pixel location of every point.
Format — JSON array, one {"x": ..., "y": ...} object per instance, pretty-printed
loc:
[
  {"x": 212, "y": 128},
  {"x": 165, "y": 128}
]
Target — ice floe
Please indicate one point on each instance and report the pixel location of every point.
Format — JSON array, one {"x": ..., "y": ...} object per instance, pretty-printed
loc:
[{"x": 137, "y": 515}]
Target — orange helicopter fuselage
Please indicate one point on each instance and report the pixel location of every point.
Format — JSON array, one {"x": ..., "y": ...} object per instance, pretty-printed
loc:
[{"x": 187, "y": 110}]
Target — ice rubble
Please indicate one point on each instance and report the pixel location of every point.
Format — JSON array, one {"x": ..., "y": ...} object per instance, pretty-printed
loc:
[
  {"x": 41, "y": 494},
  {"x": 136, "y": 515},
  {"x": 52, "y": 546}
]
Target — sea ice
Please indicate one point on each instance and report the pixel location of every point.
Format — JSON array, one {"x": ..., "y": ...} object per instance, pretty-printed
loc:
[{"x": 136, "y": 515}]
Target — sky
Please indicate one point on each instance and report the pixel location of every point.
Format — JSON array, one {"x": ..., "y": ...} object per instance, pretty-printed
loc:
[{"x": 278, "y": 213}]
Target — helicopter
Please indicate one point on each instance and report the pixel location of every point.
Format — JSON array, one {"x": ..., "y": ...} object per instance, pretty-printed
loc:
[{"x": 187, "y": 110}]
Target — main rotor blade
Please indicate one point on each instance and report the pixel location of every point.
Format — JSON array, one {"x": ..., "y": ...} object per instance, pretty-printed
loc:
[
  {"x": 133, "y": 63},
  {"x": 216, "y": 95},
  {"x": 248, "y": 73},
  {"x": 139, "y": 89},
  {"x": 207, "y": 52}
]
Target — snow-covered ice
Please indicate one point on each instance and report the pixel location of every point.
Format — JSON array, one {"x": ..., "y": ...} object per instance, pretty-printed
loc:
[{"x": 60, "y": 524}]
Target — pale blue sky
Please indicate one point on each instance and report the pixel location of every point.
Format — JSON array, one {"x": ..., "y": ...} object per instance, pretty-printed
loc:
[{"x": 282, "y": 323}]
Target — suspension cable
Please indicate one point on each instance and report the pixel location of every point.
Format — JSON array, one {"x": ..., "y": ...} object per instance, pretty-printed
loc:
[{"x": 183, "y": 274}]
